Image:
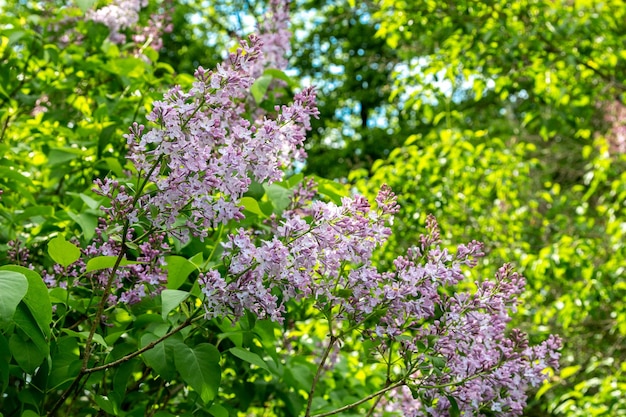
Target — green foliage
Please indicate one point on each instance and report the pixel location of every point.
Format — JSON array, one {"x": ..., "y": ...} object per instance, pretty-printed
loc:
[
  {"x": 488, "y": 114},
  {"x": 14, "y": 287},
  {"x": 353, "y": 70},
  {"x": 63, "y": 252},
  {"x": 519, "y": 154},
  {"x": 63, "y": 108},
  {"x": 200, "y": 368}
]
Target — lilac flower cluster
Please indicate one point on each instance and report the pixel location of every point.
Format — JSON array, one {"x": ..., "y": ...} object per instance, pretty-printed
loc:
[
  {"x": 118, "y": 16},
  {"x": 131, "y": 283},
  {"x": 462, "y": 352},
  {"x": 194, "y": 166},
  {"x": 484, "y": 364},
  {"x": 122, "y": 15},
  {"x": 304, "y": 260},
  {"x": 134, "y": 282},
  {"x": 17, "y": 253},
  {"x": 275, "y": 36},
  {"x": 499, "y": 390},
  {"x": 158, "y": 24},
  {"x": 418, "y": 313},
  {"x": 203, "y": 152}
]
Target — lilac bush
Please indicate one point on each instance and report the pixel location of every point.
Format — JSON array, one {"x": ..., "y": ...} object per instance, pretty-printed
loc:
[
  {"x": 435, "y": 343},
  {"x": 275, "y": 37},
  {"x": 450, "y": 348},
  {"x": 201, "y": 156},
  {"x": 121, "y": 16},
  {"x": 455, "y": 345}
]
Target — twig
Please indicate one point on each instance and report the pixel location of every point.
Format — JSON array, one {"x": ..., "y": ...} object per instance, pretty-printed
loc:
[
  {"x": 361, "y": 401},
  {"x": 318, "y": 374},
  {"x": 138, "y": 352}
]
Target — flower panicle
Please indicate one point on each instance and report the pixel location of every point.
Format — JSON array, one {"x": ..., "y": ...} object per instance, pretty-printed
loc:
[{"x": 203, "y": 152}]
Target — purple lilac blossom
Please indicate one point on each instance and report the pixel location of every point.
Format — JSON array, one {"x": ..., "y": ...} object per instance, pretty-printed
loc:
[
  {"x": 158, "y": 24},
  {"x": 131, "y": 283},
  {"x": 327, "y": 259},
  {"x": 482, "y": 366},
  {"x": 305, "y": 260},
  {"x": 134, "y": 282},
  {"x": 200, "y": 158},
  {"x": 118, "y": 16},
  {"x": 123, "y": 15},
  {"x": 485, "y": 365},
  {"x": 275, "y": 36},
  {"x": 17, "y": 252},
  {"x": 203, "y": 152}
]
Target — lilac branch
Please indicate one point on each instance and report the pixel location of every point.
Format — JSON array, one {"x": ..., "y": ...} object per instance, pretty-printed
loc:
[
  {"x": 190, "y": 320},
  {"x": 320, "y": 369},
  {"x": 361, "y": 401}
]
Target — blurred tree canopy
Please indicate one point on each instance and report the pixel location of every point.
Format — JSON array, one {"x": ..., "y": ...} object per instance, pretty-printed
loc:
[
  {"x": 507, "y": 121},
  {"x": 520, "y": 144}
]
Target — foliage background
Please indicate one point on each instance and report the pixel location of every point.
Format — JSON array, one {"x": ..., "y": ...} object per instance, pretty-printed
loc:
[{"x": 504, "y": 119}]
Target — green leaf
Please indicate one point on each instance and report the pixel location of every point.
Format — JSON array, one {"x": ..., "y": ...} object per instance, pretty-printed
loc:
[
  {"x": 276, "y": 73},
  {"x": 85, "y": 5},
  {"x": 127, "y": 67},
  {"x": 37, "y": 298},
  {"x": 171, "y": 299},
  {"x": 13, "y": 287},
  {"x": 568, "y": 371},
  {"x": 10, "y": 173},
  {"x": 86, "y": 221},
  {"x": 27, "y": 355},
  {"x": 83, "y": 335},
  {"x": 60, "y": 156},
  {"x": 107, "y": 405},
  {"x": 122, "y": 376},
  {"x": 293, "y": 180},
  {"x": 5, "y": 359},
  {"x": 58, "y": 295},
  {"x": 252, "y": 206},
  {"x": 279, "y": 196},
  {"x": 24, "y": 319},
  {"x": 15, "y": 177},
  {"x": 331, "y": 189},
  {"x": 114, "y": 165},
  {"x": 249, "y": 357},
  {"x": 29, "y": 413},
  {"x": 197, "y": 259},
  {"x": 217, "y": 410},
  {"x": 32, "y": 212},
  {"x": 63, "y": 252},
  {"x": 178, "y": 269},
  {"x": 200, "y": 368},
  {"x": 299, "y": 375},
  {"x": 65, "y": 362},
  {"x": 104, "y": 262},
  {"x": 260, "y": 86},
  {"x": 544, "y": 388},
  {"x": 161, "y": 357},
  {"x": 90, "y": 202},
  {"x": 453, "y": 411}
]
